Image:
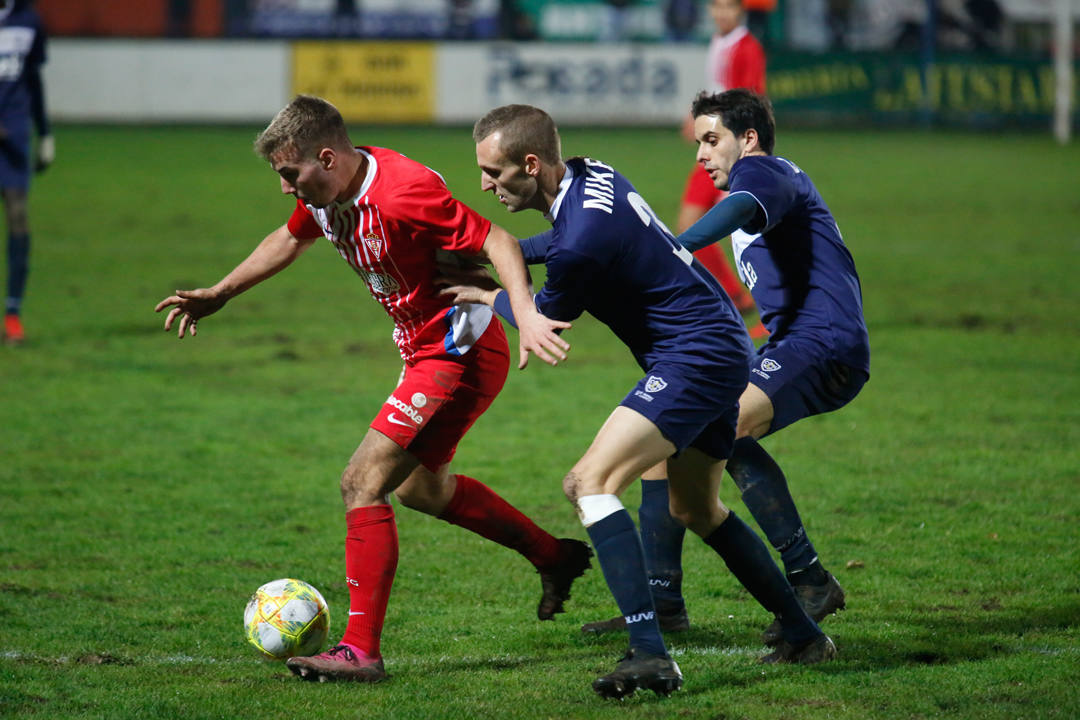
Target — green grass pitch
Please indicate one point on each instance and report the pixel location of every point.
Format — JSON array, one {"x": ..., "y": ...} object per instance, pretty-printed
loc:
[{"x": 149, "y": 485}]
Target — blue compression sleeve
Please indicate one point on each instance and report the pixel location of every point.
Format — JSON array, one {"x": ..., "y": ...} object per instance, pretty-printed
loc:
[
  {"x": 725, "y": 217},
  {"x": 502, "y": 306},
  {"x": 535, "y": 248}
]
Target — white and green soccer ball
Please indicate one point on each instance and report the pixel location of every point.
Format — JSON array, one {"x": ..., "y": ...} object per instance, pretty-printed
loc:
[{"x": 285, "y": 618}]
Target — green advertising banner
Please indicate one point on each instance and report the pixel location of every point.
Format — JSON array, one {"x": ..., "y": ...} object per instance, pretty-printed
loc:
[{"x": 895, "y": 89}]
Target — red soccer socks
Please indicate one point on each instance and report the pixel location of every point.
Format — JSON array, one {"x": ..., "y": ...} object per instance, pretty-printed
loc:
[
  {"x": 371, "y": 557},
  {"x": 478, "y": 508}
]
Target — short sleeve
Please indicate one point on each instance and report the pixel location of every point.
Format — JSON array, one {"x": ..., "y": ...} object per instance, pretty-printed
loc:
[
  {"x": 302, "y": 224},
  {"x": 452, "y": 224},
  {"x": 773, "y": 189}
]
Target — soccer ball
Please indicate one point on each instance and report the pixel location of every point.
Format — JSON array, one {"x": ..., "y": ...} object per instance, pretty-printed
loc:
[{"x": 287, "y": 617}]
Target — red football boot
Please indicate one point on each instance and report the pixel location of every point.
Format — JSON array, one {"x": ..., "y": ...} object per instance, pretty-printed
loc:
[
  {"x": 13, "y": 330},
  {"x": 341, "y": 662}
]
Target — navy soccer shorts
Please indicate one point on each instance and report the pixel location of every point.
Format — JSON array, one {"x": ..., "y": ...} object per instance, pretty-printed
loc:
[
  {"x": 801, "y": 380},
  {"x": 14, "y": 154},
  {"x": 691, "y": 409}
]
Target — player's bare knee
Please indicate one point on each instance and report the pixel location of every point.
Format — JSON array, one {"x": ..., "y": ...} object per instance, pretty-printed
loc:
[
  {"x": 679, "y": 514},
  {"x": 571, "y": 486},
  {"x": 681, "y": 511},
  {"x": 701, "y": 518},
  {"x": 424, "y": 493},
  {"x": 751, "y": 425},
  {"x": 421, "y": 502},
  {"x": 410, "y": 498},
  {"x": 742, "y": 429},
  {"x": 361, "y": 488}
]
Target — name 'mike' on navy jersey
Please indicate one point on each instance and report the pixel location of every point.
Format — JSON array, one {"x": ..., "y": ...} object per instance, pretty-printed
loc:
[
  {"x": 794, "y": 261},
  {"x": 611, "y": 256}
]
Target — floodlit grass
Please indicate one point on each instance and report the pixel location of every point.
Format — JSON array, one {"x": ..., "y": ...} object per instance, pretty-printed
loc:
[{"x": 148, "y": 485}]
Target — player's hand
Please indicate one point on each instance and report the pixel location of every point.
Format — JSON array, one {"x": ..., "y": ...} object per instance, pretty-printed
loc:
[
  {"x": 463, "y": 294},
  {"x": 466, "y": 283},
  {"x": 190, "y": 306},
  {"x": 46, "y": 152},
  {"x": 539, "y": 335}
]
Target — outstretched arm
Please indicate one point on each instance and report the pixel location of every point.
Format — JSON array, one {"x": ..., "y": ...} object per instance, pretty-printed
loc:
[
  {"x": 274, "y": 253},
  {"x": 536, "y": 333},
  {"x": 725, "y": 217}
]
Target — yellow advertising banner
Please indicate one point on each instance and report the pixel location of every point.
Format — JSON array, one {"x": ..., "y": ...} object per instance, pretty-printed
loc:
[{"x": 369, "y": 81}]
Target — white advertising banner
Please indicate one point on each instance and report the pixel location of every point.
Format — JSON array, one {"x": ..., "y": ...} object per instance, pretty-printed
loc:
[
  {"x": 575, "y": 83},
  {"x": 166, "y": 80}
]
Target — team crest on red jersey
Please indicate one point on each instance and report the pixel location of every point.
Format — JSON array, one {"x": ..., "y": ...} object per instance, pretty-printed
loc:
[{"x": 374, "y": 244}]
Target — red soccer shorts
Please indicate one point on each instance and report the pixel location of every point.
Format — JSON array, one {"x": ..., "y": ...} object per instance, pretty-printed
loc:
[{"x": 439, "y": 399}]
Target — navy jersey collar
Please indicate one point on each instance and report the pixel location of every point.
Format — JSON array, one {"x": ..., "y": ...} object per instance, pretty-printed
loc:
[{"x": 564, "y": 185}]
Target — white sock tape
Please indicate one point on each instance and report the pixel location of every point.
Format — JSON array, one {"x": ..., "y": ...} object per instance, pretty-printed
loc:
[{"x": 594, "y": 508}]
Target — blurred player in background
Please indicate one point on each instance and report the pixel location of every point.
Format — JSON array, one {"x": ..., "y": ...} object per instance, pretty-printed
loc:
[
  {"x": 757, "y": 17},
  {"x": 735, "y": 59},
  {"x": 388, "y": 217},
  {"x": 790, "y": 253},
  {"x": 22, "y": 102},
  {"x": 607, "y": 254}
]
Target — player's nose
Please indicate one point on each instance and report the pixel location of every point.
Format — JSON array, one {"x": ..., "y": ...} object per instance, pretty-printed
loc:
[
  {"x": 286, "y": 188},
  {"x": 485, "y": 183}
]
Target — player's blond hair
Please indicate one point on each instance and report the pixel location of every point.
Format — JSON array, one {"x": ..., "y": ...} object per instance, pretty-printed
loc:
[
  {"x": 524, "y": 129},
  {"x": 306, "y": 125}
]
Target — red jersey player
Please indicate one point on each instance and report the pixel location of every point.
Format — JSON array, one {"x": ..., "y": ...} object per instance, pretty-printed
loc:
[
  {"x": 735, "y": 59},
  {"x": 389, "y": 217}
]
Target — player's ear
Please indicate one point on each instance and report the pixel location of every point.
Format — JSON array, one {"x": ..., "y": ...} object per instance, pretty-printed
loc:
[
  {"x": 532, "y": 165},
  {"x": 327, "y": 158},
  {"x": 752, "y": 140}
]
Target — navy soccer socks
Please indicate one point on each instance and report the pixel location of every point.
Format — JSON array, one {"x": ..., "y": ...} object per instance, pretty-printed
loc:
[
  {"x": 618, "y": 548},
  {"x": 750, "y": 562},
  {"x": 18, "y": 253},
  {"x": 765, "y": 492},
  {"x": 662, "y": 539}
]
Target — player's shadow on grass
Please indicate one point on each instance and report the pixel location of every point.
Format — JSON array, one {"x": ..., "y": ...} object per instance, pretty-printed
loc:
[
  {"x": 941, "y": 638},
  {"x": 955, "y": 637},
  {"x": 950, "y": 636}
]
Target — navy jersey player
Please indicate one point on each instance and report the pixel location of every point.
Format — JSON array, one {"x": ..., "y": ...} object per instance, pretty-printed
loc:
[
  {"x": 790, "y": 255},
  {"x": 610, "y": 256},
  {"x": 22, "y": 101}
]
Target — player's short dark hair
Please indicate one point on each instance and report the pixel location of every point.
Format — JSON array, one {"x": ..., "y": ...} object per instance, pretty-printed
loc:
[
  {"x": 525, "y": 129},
  {"x": 306, "y": 125},
  {"x": 739, "y": 110}
]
